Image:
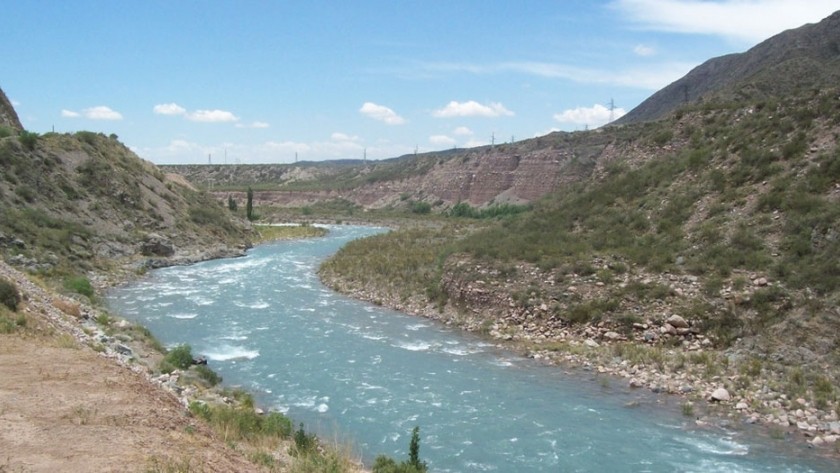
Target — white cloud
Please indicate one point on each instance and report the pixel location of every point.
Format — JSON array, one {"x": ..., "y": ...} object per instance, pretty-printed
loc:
[
  {"x": 169, "y": 109},
  {"x": 474, "y": 143},
  {"x": 381, "y": 113},
  {"x": 472, "y": 108},
  {"x": 212, "y": 116},
  {"x": 441, "y": 140},
  {"x": 749, "y": 21},
  {"x": 462, "y": 131},
  {"x": 101, "y": 112},
  {"x": 643, "y": 50},
  {"x": 594, "y": 116},
  {"x": 69, "y": 113},
  {"x": 338, "y": 136},
  {"x": 253, "y": 125}
]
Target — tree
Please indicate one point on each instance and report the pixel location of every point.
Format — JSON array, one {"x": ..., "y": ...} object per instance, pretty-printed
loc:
[
  {"x": 231, "y": 204},
  {"x": 414, "y": 450},
  {"x": 385, "y": 464},
  {"x": 249, "y": 205}
]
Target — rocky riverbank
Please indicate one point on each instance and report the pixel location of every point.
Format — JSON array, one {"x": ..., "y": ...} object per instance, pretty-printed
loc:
[{"x": 653, "y": 347}]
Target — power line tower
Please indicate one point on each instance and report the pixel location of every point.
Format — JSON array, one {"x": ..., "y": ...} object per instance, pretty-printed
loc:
[{"x": 612, "y": 110}]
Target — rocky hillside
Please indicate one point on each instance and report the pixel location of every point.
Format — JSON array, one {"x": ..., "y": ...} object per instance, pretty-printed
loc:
[
  {"x": 71, "y": 203},
  {"x": 806, "y": 57}
]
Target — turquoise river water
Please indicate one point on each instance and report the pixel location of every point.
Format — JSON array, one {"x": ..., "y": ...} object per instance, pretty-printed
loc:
[{"x": 350, "y": 370}]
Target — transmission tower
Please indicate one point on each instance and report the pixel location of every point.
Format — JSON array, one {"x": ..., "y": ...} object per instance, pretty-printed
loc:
[{"x": 612, "y": 110}]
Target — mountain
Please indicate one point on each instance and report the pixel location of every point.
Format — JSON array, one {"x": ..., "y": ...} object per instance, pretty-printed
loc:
[
  {"x": 8, "y": 116},
  {"x": 807, "y": 57},
  {"x": 71, "y": 203}
]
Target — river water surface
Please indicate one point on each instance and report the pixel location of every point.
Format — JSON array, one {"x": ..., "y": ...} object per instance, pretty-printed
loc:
[{"x": 356, "y": 371}]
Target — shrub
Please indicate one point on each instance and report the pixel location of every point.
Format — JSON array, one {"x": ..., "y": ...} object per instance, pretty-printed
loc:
[
  {"x": 80, "y": 285},
  {"x": 28, "y": 139},
  {"x": 9, "y": 295},
  {"x": 179, "y": 357},
  {"x": 304, "y": 442}
]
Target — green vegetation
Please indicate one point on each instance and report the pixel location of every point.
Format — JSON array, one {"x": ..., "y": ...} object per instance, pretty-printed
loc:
[
  {"x": 9, "y": 295},
  {"x": 287, "y": 232},
  {"x": 179, "y": 357},
  {"x": 80, "y": 285},
  {"x": 28, "y": 139},
  {"x": 384, "y": 464},
  {"x": 249, "y": 205}
]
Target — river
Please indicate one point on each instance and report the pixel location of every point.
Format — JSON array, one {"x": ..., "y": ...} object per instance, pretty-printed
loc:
[{"x": 351, "y": 370}]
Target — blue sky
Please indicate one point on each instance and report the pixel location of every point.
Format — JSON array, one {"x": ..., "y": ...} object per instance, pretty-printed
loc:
[{"x": 251, "y": 82}]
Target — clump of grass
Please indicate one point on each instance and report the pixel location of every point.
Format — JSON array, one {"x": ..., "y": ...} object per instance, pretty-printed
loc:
[
  {"x": 688, "y": 409},
  {"x": 208, "y": 375},
  {"x": 242, "y": 423}
]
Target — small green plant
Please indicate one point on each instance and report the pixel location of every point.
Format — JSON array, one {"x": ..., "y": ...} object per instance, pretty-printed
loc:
[
  {"x": 179, "y": 357},
  {"x": 9, "y": 295},
  {"x": 80, "y": 285},
  {"x": 103, "y": 319},
  {"x": 688, "y": 409},
  {"x": 304, "y": 442}
]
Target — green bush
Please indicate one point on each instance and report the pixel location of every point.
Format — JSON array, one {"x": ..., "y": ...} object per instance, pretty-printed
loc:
[
  {"x": 179, "y": 357},
  {"x": 28, "y": 139},
  {"x": 9, "y": 295},
  {"x": 80, "y": 285}
]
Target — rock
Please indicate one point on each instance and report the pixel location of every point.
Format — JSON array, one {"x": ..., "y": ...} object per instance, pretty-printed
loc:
[
  {"x": 156, "y": 245},
  {"x": 123, "y": 350},
  {"x": 635, "y": 383},
  {"x": 123, "y": 324},
  {"x": 676, "y": 321},
  {"x": 591, "y": 343},
  {"x": 720, "y": 395},
  {"x": 741, "y": 406},
  {"x": 612, "y": 336},
  {"x": 833, "y": 427},
  {"x": 686, "y": 389},
  {"x": 668, "y": 329},
  {"x": 639, "y": 326},
  {"x": 650, "y": 337},
  {"x": 831, "y": 438},
  {"x": 818, "y": 441},
  {"x": 805, "y": 426},
  {"x": 760, "y": 282}
]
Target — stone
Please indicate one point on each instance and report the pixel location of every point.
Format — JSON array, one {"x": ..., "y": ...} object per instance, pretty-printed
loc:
[
  {"x": 720, "y": 395},
  {"x": 635, "y": 383},
  {"x": 123, "y": 350},
  {"x": 156, "y": 245},
  {"x": 741, "y": 406},
  {"x": 591, "y": 343},
  {"x": 833, "y": 427},
  {"x": 760, "y": 282},
  {"x": 817, "y": 441},
  {"x": 686, "y": 389},
  {"x": 805, "y": 426},
  {"x": 612, "y": 336},
  {"x": 676, "y": 321},
  {"x": 831, "y": 438}
]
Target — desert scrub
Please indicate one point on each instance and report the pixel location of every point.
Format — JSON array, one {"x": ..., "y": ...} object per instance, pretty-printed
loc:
[{"x": 9, "y": 295}]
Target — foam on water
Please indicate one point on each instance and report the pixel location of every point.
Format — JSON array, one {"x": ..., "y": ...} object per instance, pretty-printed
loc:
[
  {"x": 230, "y": 353},
  {"x": 183, "y": 316}
]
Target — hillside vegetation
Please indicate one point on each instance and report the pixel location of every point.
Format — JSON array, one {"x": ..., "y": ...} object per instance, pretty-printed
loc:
[{"x": 72, "y": 203}]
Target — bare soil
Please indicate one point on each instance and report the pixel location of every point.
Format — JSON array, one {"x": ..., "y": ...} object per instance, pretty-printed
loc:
[{"x": 65, "y": 408}]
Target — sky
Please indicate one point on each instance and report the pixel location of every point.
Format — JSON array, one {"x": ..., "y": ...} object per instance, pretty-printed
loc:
[{"x": 242, "y": 81}]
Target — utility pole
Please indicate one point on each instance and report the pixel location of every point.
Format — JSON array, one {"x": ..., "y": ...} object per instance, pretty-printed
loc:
[
  {"x": 295, "y": 157},
  {"x": 493, "y": 140},
  {"x": 209, "y": 161},
  {"x": 612, "y": 110}
]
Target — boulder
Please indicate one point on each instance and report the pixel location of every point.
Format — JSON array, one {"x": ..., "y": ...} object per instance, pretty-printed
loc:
[
  {"x": 720, "y": 395},
  {"x": 156, "y": 245},
  {"x": 676, "y": 321},
  {"x": 741, "y": 406},
  {"x": 612, "y": 336},
  {"x": 123, "y": 350},
  {"x": 591, "y": 343}
]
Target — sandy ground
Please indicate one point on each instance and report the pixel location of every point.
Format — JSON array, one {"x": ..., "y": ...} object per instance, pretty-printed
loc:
[{"x": 64, "y": 408}]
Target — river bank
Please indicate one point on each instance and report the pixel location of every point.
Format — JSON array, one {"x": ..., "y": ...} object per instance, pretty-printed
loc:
[
  {"x": 113, "y": 367},
  {"x": 662, "y": 354}
]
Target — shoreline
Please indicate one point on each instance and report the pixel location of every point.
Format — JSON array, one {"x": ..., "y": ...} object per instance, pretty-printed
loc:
[{"x": 706, "y": 401}]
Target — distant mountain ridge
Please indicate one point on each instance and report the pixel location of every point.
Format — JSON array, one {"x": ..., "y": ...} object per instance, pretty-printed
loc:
[{"x": 805, "y": 57}]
